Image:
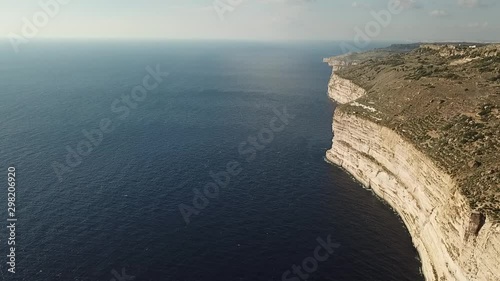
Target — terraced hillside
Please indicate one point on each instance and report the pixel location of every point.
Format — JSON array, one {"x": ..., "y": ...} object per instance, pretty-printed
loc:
[{"x": 445, "y": 99}]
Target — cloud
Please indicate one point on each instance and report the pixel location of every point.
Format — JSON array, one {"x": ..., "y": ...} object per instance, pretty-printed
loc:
[
  {"x": 406, "y": 4},
  {"x": 412, "y": 4},
  {"x": 360, "y": 5},
  {"x": 438, "y": 13},
  {"x": 477, "y": 25},
  {"x": 475, "y": 3}
]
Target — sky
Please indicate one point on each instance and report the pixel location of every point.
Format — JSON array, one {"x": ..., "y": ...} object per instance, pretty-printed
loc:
[{"x": 420, "y": 20}]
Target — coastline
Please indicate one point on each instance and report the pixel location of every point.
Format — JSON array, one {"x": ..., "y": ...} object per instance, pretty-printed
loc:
[{"x": 454, "y": 242}]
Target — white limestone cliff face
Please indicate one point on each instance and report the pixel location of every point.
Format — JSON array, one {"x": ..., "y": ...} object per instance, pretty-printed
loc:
[
  {"x": 343, "y": 90},
  {"x": 453, "y": 241}
]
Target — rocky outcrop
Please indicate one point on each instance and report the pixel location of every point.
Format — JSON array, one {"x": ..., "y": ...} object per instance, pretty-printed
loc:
[
  {"x": 342, "y": 61},
  {"x": 343, "y": 90},
  {"x": 454, "y": 241},
  {"x": 465, "y": 52}
]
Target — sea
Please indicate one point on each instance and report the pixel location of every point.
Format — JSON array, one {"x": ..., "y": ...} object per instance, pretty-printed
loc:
[{"x": 183, "y": 160}]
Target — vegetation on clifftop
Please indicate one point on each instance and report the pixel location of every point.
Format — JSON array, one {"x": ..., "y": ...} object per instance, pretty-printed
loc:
[{"x": 445, "y": 99}]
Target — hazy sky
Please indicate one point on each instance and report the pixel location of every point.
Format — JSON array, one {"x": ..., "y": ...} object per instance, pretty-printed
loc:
[{"x": 255, "y": 19}]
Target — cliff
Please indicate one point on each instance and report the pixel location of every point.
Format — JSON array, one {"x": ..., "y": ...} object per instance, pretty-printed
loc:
[
  {"x": 345, "y": 90},
  {"x": 378, "y": 127}
]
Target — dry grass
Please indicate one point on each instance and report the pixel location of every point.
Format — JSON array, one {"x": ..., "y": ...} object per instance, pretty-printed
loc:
[{"x": 444, "y": 100}]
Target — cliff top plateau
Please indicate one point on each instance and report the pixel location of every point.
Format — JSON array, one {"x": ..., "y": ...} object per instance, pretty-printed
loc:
[{"x": 445, "y": 99}]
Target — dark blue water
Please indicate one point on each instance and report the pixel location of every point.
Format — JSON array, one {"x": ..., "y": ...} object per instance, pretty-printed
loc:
[{"x": 117, "y": 207}]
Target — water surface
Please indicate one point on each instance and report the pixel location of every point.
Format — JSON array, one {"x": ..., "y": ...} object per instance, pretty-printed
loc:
[{"x": 119, "y": 208}]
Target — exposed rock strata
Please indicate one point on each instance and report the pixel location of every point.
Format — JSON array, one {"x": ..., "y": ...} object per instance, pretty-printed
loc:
[
  {"x": 343, "y": 90},
  {"x": 454, "y": 241}
]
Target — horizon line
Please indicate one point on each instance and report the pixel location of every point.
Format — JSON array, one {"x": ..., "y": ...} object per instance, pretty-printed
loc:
[{"x": 398, "y": 41}]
